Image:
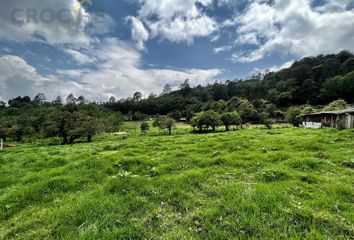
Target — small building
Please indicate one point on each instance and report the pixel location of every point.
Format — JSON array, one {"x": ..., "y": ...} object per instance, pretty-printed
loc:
[
  {"x": 183, "y": 120},
  {"x": 341, "y": 119}
]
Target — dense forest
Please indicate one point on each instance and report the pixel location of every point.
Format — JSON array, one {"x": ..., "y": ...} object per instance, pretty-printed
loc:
[
  {"x": 308, "y": 84},
  {"x": 312, "y": 80}
]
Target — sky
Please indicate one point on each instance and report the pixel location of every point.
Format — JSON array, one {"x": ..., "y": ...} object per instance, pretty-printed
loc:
[{"x": 104, "y": 48}]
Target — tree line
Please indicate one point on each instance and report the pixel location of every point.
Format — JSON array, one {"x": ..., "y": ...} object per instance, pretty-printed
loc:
[
  {"x": 306, "y": 86},
  {"x": 33, "y": 120},
  {"x": 312, "y": 80}
]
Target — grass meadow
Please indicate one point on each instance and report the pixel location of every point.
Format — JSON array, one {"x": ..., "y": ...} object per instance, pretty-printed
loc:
[{"x": 284, "y": 183}]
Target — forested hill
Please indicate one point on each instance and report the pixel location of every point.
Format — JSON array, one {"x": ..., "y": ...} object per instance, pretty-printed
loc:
[{"x": 312, "y": 80}]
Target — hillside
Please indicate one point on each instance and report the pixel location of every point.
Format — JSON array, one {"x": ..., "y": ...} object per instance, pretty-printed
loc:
[
  {"x": 312, "y": 80},
  {"x": 255, "y": 183}
]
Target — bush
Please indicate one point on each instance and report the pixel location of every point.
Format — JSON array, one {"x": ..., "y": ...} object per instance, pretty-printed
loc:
[
  {"x": 293, "y": 116},
  {"x": 336, "y": 105},
  {"x": 144, "y": 127},
  {"x": 265, "y": 119}
]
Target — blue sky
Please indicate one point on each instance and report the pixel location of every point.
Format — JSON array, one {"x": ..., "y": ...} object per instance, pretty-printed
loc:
[{"x": 114, "y": 48}]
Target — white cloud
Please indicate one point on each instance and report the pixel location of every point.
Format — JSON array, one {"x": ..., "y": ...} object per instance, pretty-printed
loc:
[
  {"x": 221, "y": 49},
  {"x": 274, "y": 68},
  {"x": 79, "y": 57},
  {"x": 54, "y": 21},
  {"x": 139, "y": 32},
  {"x": 334, "y": 5},
  {"x": 295, "y": 27},
  {"x": 19, "y": 78},
  {"x": 283, "y": 66},
  {"x": 118, "y": 69},
  {"x": 174, "y": 20},
  {"x": 118, "y": 73}
]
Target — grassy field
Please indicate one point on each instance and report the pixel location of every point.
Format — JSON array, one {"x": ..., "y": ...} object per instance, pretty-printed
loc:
[{"x": 249, "y": 184}]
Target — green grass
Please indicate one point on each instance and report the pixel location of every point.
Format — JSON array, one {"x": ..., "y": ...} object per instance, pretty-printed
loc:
[{"x": 252, "y": 184}]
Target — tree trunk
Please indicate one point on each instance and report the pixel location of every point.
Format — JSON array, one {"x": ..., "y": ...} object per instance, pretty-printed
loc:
[
  {"x": 227, "y": 128},
  {"x": 89, "y": 138},
  {"x": 18, "y": 138},
  {"x": 71, "y": 140},
  {"x": 65, "y": 141},
  {"x": 170, "y": 131}
]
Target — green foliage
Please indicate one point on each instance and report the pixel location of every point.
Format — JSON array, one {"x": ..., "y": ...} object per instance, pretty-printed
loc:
[
  {"x": 59, "y": 124},
  {"x": 16, "y": 127},
  {"x": 307, "y": 109},
  {"x": 293, "y": 116},
  {"x": 336, "y": 105},
  {"x": 137, "y": 96},
  {"x": 71, "y": 126},
  {"x": 206, "y": 120},
  {"x": 313, "y": 80},
  {"x": 264, "y": 118},
  {"x": 185, "y": 88},
  {"x": 85, "y": 126},
  {"x": 339, "y": 86},
  {"x": 244, "y": 107},
  {"x": 165, "y": 123},
  {"x": 176, "y": 115},
  {"x": 230, "y": 118},
  {"x": 113, "y": 122},
  {"x": 137, "y": 116},
  {"x": 144, "y": 127}
]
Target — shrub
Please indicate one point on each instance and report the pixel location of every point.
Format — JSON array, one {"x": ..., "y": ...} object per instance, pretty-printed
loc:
[
  {"x": 336, "y": 105},
  {"x": 265, "y": 119},
  {"x": 293, "y": 116},
  {"x": 144, "y": 127}
]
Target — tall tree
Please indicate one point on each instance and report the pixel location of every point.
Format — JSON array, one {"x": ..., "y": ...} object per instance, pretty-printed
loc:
[
  {"x": 59, "y": 124},
  {"x": 166, "y": 89},
  {"x": 71, "y": 99},
  {"x": 185, "y": 88},
  {"x": 112, "y": 100},
  {"x": 58, "y": 101},
  {"x": 40, "y": 98},
  {"x": 81, "y": 100},
  {"x": 137, "y": 96}
]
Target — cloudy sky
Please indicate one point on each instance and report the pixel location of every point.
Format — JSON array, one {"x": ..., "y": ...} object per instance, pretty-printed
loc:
[{"x": 103, "y": 48}]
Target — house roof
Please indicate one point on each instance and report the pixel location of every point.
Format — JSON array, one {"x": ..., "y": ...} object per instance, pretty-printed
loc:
[{"x": 337, "y": 112}]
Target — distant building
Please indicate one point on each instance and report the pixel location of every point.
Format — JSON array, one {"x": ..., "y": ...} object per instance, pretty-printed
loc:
[
  {"x": 183, "y": 120},
  {"x": 341, "y": 119}
]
